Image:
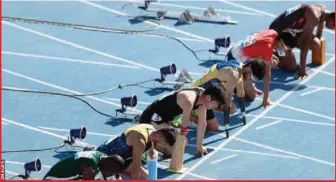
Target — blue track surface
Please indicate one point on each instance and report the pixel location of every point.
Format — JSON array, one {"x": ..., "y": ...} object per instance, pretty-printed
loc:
[{"x": 294, "y": 139}]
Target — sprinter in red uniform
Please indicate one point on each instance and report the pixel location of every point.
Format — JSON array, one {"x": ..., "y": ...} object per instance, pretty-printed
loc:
[{"x": 260, "y": 46}]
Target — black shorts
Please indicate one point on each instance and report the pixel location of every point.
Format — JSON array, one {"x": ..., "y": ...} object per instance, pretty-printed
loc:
[
  {"x": 210, "y": 114},
  {"x": 146, "y": 116},
  {"x": 276, "y": 24},
  {"x": 117, "y": 147}
]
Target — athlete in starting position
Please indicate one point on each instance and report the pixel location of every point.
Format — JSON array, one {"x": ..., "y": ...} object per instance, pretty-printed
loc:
[
  {"x": 229, "y": 74},
  {"x": 300, "y": 21},
  {"x": 259, "y": 46},
  {"x": 135, "y": 141},
  {"x": 163, "y": 111},
  {"x": 86, "y": 166},
  {"x": 121, "y": 155}
]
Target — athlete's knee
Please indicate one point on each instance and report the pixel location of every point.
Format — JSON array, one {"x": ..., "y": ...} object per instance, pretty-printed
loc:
[
  {"x": 275, "y": 61},
  {"x": 251, "y": 95},
  {"x": 288, "y": 62},
  {"x": 315, "y": 44},
  {"x": 212, "y": 125},
  {"x": 249, "y": 89},
  {"x": 233, "y": 108},
  {"x": 250, "y": 92},
  {"x": 240, "y": 93}
]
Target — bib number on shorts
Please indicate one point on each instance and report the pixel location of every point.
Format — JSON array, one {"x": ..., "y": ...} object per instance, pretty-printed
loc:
[
  {"x": 156, "y": 117},
  {"x": 251, "y": 39}
]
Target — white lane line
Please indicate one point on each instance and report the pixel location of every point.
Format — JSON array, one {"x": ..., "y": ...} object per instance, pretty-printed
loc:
[
  {"x": 4, "y": 123},
  {"x": 79, "y": 46},
  {"x": 21, "y": 163},
  {"x": 249, "y": 124},
  {"x": 302, "y": 110},
  {"x": 284, "y": 151},
  {"x": 41, "y": 131},
  {"x": 312, "y": 91},
  {"x": 201, "y": 8},
  {"x": 223, "y": 159},
  {"x": 67, "y": 59},
  {"x": 295, "y": 120},
  {"x": 308, "y": 86},
  {"x": 268, "y": 125},
  {"x": 65, "y": 130},
  {"x": 249, "y": 152},
  {"x": 162, "y": 26},
  {"x": 62, "y": 88},
  {"x": 327, "y": 73}
]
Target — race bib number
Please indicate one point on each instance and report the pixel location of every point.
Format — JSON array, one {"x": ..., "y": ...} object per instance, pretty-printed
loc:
[
  {"x": 156, "y": 117},
  {"x": 86, "y": 154},
  {"x": 251, "y": 39},
  {"x": 291, "y": 10}
]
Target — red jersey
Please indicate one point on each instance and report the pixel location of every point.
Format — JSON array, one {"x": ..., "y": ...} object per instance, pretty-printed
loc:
[{"x": 259, "y": 44}]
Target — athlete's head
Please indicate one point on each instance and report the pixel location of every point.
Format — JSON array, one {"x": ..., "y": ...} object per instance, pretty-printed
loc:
[
  {"x": 164, "y": 139},
  {"x": 330, "y": 21},
  {"x": 285, "y": 42},
  {"x": 257, "y": 67},
  {"x": 213, "y": 96},
  {"x": 111, "y": 165}
]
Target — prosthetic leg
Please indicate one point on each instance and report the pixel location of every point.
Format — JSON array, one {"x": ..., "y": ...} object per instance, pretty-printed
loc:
[{"x": 176, "y": 162}]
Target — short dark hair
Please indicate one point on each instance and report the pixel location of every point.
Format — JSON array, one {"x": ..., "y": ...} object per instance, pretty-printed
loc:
[
  {"x": 216, "y": 92},
  {"x": 113, "y": 163},
  {"x": 169, "y": 133},
  {"x": 257, "y": 67},
  {"x": 288, "y": 39}
]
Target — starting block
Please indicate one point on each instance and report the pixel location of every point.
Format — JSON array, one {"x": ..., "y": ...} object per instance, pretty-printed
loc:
[
  {"x": 319, "y": 56},
  {"x": 209, "y": 16},
  {"x": 184, "y": 78},
  {"x": 210, "y": 12}
]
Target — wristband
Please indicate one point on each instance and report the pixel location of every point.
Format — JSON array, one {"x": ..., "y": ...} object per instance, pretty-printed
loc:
[{"x": 184, "y": 129}]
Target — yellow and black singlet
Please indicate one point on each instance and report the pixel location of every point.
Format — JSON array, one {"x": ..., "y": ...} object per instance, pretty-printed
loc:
[{"x": 212, "y": 75}]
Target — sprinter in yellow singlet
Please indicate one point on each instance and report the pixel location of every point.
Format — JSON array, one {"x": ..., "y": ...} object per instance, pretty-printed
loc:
[
  {"x": 229, "y": 74},
  {"x": 136, "y": 140}
]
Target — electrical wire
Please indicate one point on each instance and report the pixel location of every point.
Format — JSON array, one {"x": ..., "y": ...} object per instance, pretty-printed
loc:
[
  {"x": 77, "y": 96},
  {"x": 34, "y": 150},
  {"x": 104, "y": 29},
  {"x": 76, "y": 26},
  {"x": 56, "y": 93}
]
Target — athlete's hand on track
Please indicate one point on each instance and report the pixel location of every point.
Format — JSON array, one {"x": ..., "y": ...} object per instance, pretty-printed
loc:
[
  {"x": 301, "y": 75},
  {"x": 202, "y": 151},
  {"x": 265, "y": 104}
]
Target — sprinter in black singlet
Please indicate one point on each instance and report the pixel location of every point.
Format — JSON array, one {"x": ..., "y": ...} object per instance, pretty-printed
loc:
[
  {"x": 300, "y": 21},
  {"x": 162, "y": 111}
]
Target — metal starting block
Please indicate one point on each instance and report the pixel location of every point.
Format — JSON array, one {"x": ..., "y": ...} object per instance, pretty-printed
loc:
[
  {"x": 185, "y": 78},
  {"x": 210, "y": 16},
  {"x": 210, "y": 12}
]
